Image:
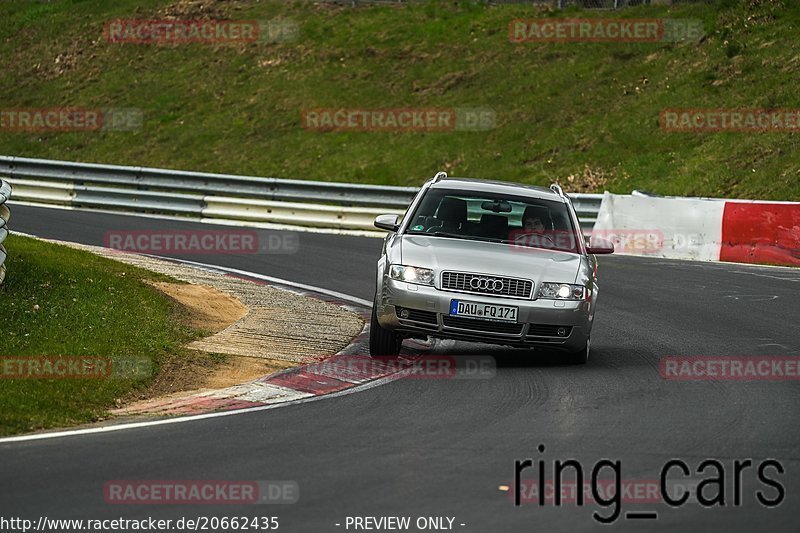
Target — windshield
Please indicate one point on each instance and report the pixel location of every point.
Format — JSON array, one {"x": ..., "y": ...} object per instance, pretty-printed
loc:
[{"x": 482, "y": 216}]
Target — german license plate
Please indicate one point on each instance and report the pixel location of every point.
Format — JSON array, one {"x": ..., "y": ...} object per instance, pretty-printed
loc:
[{"x": 504, "y": 313}]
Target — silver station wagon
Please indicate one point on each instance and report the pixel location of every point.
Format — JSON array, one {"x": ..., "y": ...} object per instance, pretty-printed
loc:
[{"x": 486, "y": 261}]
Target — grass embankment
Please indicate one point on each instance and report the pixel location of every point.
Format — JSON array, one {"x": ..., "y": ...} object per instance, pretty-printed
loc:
[
  {"x": 57, "y": 301},
  {"x": 586, "y": 110}
]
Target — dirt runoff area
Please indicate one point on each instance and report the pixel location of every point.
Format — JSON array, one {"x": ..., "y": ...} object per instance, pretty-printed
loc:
[{"x": 212, "y": 311}]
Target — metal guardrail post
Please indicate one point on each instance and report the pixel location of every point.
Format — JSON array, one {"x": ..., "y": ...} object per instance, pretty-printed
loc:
[{"x": 5, "y": 214}]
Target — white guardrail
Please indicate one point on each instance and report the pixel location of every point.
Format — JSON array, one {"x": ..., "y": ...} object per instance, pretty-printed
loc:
[
  {"x": 220, "y": 197},
  {"x": 5, "y": 214}
]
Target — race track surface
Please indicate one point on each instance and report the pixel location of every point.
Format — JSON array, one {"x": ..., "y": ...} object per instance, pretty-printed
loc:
[{"x": 428, "y": 447}]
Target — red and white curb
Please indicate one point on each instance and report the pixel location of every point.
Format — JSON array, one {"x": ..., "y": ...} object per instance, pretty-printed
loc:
[{"x": 287, "y": 386}]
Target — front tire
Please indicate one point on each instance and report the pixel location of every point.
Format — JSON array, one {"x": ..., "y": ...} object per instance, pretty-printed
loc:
[
  {"x": 382, "y": 341},
  {"x": 581, "y": 357}
]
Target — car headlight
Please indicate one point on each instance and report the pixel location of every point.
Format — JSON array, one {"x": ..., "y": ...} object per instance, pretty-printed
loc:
[
  {"x": 561, "y": 291},
  {"x": 410, "y": 274}
]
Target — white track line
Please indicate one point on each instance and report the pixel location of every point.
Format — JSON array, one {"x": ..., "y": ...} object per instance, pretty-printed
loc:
[
  {"x": 278, "y": 281},
  {"x": 133, "y": 425}
]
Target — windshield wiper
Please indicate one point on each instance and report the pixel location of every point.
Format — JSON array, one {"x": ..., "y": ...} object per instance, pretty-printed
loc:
[
  {"x": 438, "y": 234},
  {"x": 455, "y": 236}
]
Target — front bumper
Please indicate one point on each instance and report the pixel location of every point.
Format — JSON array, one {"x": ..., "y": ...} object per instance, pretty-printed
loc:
[{"x": 555, "y": 324}]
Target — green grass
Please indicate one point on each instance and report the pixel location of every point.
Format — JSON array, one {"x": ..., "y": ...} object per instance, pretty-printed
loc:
[
  {"x": 585, "y": 110},
  {"x": 57, "y": 301}
]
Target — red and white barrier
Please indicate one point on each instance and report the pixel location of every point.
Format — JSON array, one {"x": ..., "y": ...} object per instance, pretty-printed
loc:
[{"x": 701, "y": 229}]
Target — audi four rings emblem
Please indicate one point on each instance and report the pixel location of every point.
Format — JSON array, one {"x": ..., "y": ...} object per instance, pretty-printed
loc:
[{"x": 486, "y": 284}]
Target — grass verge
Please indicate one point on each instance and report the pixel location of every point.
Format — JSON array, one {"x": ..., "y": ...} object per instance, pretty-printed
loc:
[{"x": 57, "y": 301}]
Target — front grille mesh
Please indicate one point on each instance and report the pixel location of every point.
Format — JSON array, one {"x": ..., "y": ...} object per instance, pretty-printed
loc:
[
  {"x": 512, "y": 287},
  {"x": 487, "y": 326}
]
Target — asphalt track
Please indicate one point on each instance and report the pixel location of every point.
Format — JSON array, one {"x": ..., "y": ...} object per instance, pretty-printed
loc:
[{"x": 444, "y": 447}]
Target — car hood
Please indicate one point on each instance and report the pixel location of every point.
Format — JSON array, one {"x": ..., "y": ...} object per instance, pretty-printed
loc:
[{"x": 440, "y": 253}]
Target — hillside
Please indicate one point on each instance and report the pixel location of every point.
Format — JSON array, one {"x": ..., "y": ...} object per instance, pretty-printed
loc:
[{"x": 586, "y": 114}]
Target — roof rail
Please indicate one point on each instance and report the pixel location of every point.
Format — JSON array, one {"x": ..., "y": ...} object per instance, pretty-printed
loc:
[
  {"x": 556, "y": 188},
  {"x": 439, "y": 176}
]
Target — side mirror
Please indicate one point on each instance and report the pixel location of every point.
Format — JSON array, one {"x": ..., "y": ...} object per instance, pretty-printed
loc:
[
  {"x": 600, "y": 246},
  {"x": 387, "y": 222}
]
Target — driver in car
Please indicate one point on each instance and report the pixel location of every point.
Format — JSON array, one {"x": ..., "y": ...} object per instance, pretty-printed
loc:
[
  {"x": 533, "y": 224},
  {"x": 534, "y": 228}
]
